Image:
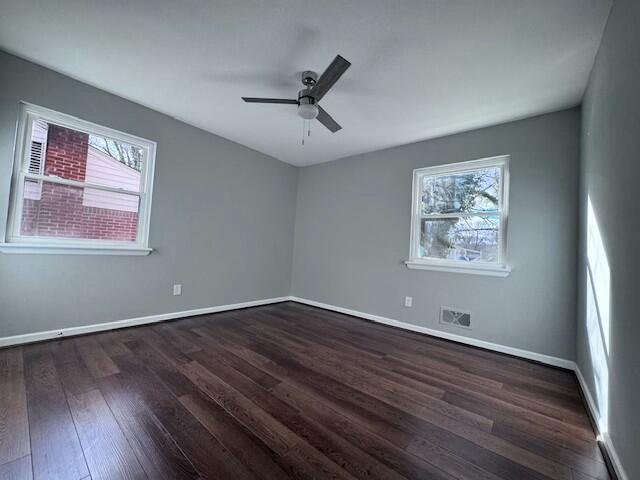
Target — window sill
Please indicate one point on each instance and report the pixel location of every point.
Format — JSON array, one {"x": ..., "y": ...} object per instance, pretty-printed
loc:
[
  {"x": 497, "y": 271},
  {"x": 28, "y": 248}
]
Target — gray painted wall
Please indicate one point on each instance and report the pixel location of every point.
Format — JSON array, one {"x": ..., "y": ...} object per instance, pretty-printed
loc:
[
  {"x": 229, "y": 240},
  {"x": 610, "y": 172},
  {"x": 352, "y": 235}
]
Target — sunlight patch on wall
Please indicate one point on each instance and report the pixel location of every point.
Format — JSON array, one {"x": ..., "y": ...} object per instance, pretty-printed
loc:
[
  {"x": 598, "y": 310},
  {"x": 600, "y": 272}
]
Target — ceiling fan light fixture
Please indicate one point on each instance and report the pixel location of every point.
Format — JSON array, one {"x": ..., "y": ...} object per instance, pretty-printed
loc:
[
  {"x": 308, "y": 111},
  {"x": 315, "y": 88}
]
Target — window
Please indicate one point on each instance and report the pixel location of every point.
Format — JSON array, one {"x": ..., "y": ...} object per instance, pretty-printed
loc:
[
  {"x": 459, "y": 217},
  {"x": 78, "y": 187}
]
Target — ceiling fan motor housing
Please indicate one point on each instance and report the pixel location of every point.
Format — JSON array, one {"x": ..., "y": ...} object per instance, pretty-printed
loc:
[{"x": 309, "y": 78}]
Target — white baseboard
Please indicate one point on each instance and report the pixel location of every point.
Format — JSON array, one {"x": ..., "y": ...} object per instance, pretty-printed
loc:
[
  {"x": 591, "y": 404},
  {"x": 603, "y": 435},
  {"x": 539, "y": 357},
  {"x": 98, "y": 327}
]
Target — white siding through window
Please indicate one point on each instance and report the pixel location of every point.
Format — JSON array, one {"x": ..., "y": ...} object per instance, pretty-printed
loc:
[{"x": 105, "y": 170}]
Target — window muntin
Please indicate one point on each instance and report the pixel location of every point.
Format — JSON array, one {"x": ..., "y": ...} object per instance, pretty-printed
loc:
[
  {"x": 77, "y": 183},
  {"x": 459, "y": 214}
]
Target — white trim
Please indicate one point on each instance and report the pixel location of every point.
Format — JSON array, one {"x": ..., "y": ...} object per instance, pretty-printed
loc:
[
  {"x": 29, "y": 112},
  {"x": 415, "y": 261},
  {"x": 603, "y": 435},
  {"x": 70, "y": 249},
  {"x": 99, "y": 327},
  {"x": 466, "y": 166},
  {"x": 474, "y": 269},
  {"x": 591, "y": 404},
  {"x": 539, "y": 357},
  {"x": 614, "y": 457}
]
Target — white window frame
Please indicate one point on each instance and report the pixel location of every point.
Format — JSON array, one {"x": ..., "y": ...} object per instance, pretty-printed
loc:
[
  {"x": 16, "y": 243},
  {"x": 498, "y": 268}
]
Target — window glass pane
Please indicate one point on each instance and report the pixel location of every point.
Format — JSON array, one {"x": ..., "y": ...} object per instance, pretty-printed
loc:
[
  {"x": 73, "y": 155},
  {"x": 54, "y": 210},
  {"x": 469, "y": 239},
  {"x": 474, "y": 191}
]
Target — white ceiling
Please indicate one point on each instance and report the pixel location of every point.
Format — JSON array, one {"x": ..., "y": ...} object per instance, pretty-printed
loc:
[{"x": 420, "y": 69}]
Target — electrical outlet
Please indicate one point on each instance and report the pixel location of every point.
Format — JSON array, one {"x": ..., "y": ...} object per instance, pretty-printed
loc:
[
  {"x": 177, "y": 289},
  {"x": 408, "y": 301}
]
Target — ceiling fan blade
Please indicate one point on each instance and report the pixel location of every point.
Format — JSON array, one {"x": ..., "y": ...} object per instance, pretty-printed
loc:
[
  {"x": 329, "y": 77},
  {"x": 325, "y": 119},
  {"x": 270, "y": 100}
]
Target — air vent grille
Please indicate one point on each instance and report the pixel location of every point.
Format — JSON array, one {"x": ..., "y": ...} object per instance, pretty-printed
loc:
[
  {"x": 36, "y": 163},
  {"x": 455, "y": 316}
]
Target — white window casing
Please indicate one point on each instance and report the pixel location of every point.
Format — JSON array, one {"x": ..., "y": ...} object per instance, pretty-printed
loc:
[
  {"x": 492, "y": 268},
  {"x": 29, "y": 166}
]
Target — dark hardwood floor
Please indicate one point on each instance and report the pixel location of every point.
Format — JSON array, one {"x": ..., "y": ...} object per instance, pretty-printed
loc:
[{"x": 286, "y": 391}]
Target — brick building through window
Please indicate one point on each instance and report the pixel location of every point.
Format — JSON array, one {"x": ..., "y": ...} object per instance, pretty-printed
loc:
[{"x": 57, "y": 210}]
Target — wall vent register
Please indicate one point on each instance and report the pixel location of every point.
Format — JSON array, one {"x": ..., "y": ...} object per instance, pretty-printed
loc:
[{"x": 459, "y": 318}]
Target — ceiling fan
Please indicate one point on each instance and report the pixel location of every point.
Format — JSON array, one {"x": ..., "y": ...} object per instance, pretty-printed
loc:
[{"x": 314, "y": 89}]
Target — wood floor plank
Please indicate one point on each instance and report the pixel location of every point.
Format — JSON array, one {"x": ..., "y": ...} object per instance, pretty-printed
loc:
[
  {"x": 112, "y": 345},
  {"x": 161, "y": 344},
  {"x": 349, "y": 457},
  {"x": 254, "y": 454},
  {"x": 97, "y": 361},
  {"x": 581, "y": 476},
  {"x": 500, "y": 397},
  {"x": 72, "y": 371},
  {"x": 388, "y": 453},
  {"x": 55, "y": 448},
  {"x": 488, "y": 363},
  {"x": 440, "y": 427},
  {"x": 277, "y": 436},
  {"x": 306, "y": 462},
  {"x": 105, "y": 447},
  {"x": 361, "y": 433},
  {"x": 492, "y": 373},
  {"x": 162, "y": 366},
  {"x": 19, "y": 469},
  {"x": 174, "y": 335},
  {"x": 155, "y": 449},
  {"x": 303, "y": 460},
  {"x": 393, "y": 392},
  {"x": 14, "y": 424},
  {"x": 217, "y": 354},
  {"x": 289, "y": 391},
  {"x": 208, "y": 456},
  {"x": 106, "y": 450},
  {"x": 552, "y": 430},
  {"x": 577, "y": 462}
]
